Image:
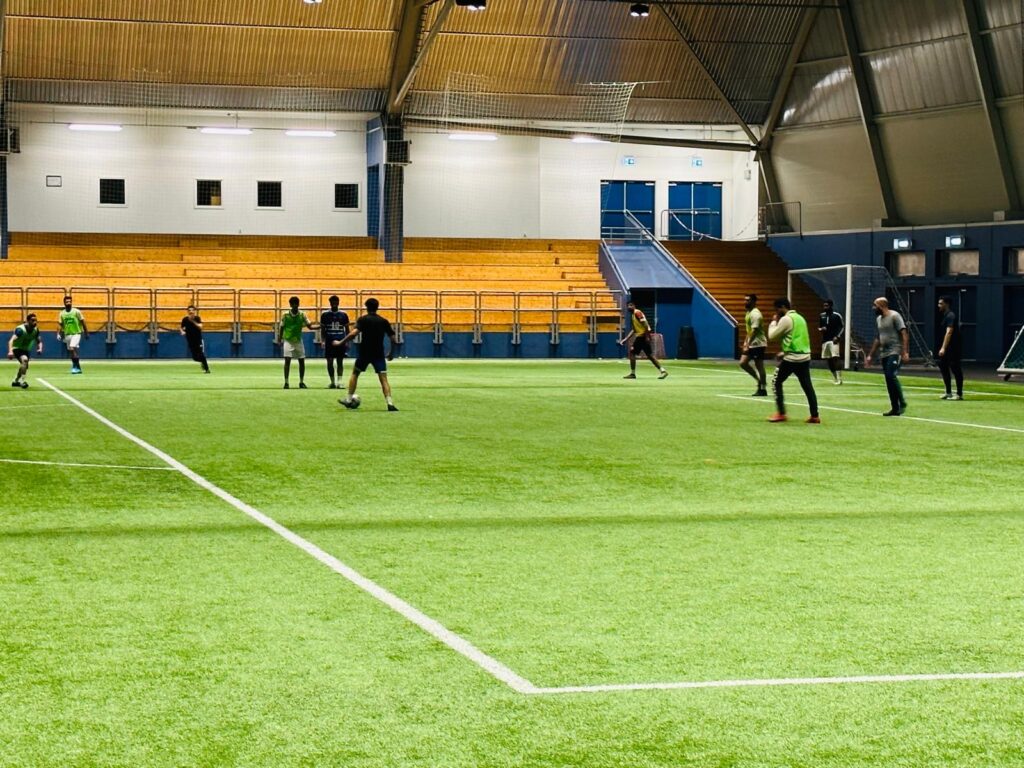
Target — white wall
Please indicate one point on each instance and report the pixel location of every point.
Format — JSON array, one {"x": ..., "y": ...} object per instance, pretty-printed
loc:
[
  {"x": 517, "y": 186},
  {"x": 520, "y": 186},
  {"x": 160, "y": 166}
]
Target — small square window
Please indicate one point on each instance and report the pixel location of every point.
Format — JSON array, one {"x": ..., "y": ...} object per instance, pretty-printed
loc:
[
  {"x": 111, "y": 191},
  {"x": 1015, "y": 261},
  {"x": 959, "y": 262},
  {"x": 268, "y": 194},
  {"x": 208, "y": 193},
  {"x": 346, "y": 196},
  {"x": 906, "y": 263}
]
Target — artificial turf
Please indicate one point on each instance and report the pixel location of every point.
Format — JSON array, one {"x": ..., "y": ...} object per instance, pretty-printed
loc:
[{"x": 580, "y": 529}]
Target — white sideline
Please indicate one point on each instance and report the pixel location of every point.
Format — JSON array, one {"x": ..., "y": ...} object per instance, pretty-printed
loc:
[
  {"x": 417, "y": 617},
  {"x": 876, "y": 413},
  {"x": 767, "y": 683},
  {"x": 93, "y": 466}
]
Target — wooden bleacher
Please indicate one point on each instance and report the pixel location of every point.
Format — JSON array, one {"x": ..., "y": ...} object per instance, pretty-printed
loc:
[
  {"x": 732, "y": 269},
  {"x": 497, "y": 275}
]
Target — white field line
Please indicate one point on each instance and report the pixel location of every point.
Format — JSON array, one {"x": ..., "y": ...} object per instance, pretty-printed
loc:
[
  {"x": 876, "y": 413},
  {"x": 417, "y": 617},
  {"x": 781, "y": 681},
  {"x": 40, "y": 405},
  {"x": 92, "y": 466}
]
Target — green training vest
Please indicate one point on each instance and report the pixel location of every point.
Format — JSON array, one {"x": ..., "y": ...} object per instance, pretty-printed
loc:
[{"x": 798, "y": 342}]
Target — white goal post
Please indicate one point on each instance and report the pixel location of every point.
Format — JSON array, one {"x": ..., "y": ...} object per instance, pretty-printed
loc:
[{"x": 852, "y": 288}]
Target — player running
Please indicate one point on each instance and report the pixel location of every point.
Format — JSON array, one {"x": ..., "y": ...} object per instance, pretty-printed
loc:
[
  {"x": 641, "y": 334},
  {"x": 71, "y": 331},
  {"x": 334, "y": 327},
  {"x": 20, "y": 345},
  {"x": 754, "y": 345},
  {"x": 192, "y": 330},
  {"x": 371, "y": 352}
]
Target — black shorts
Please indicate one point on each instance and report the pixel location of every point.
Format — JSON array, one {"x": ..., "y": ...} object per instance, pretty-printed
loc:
[
  {"x": 380, "y": 364},
  {"x": 334, "y": 352},
  {"x": 755, "y": 353},
  {"x": 642, "y": 344},
  {"x": 20, "y": 353}
]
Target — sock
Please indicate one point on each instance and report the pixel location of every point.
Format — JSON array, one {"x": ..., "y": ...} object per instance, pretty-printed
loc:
[{"x": 389, "y": 400}]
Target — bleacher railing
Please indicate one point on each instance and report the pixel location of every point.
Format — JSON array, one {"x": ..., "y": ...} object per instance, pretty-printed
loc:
[{"x": 153, "y": 310}]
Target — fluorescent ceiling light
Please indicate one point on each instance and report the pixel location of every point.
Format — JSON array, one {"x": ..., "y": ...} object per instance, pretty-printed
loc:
[
  {"x": 226, "y": 131},
  {"x": 312, "y": 134},
  {"x": 94, "y": 127},
  {"x": 473, "y": 136},
  {"x": 587, "y": 140},
  {"x": 312, "y": 2}
]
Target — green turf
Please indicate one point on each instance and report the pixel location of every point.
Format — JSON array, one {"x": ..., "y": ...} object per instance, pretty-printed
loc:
[{"x": 580, "y": 529}]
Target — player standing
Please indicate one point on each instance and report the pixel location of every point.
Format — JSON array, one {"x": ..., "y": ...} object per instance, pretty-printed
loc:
[
  {"x": 893, "y": 345},
  {"x": 334, "y": 327},
  {"x": 950, "y": 350},
  {"x": 292, "y": 323},
  {"x": 641, "y": 330},
  {"x": 754, "y": 345},
  {"x": 192, "y": 330},
  {"x": 374, "y": 328},
  {"x": 830, "y": 323},
  {"x": 24, "y": 338},
  {"x": 71, "y": 330},
  {"x": 790, "y": 329}
]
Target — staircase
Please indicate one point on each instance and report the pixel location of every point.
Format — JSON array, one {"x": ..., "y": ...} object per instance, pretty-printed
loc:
[{"x": 731, "y": 270}]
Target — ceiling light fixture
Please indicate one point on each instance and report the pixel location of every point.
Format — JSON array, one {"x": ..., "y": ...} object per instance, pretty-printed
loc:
[
  {"x": 312, "y": 2},
  {"x": 94, "y": 127},
  {"x": 473, "y": 136},
  {"x": 226, "y": 131},
  {"x": 311, "y": 134},
  {"x": 472, "y": 5},
  {"x": 584, "y": 139},
  {"x": 639, "y": 10}
]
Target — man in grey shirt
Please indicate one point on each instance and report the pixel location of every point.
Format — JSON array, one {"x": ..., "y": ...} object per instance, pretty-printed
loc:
[{"x": 893, "y": 345}]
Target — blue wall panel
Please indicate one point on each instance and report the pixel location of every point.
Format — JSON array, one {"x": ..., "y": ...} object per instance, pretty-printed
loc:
[
  {"x": 573, "y": 345},
  {"x": 535, "y": 345},
  {"x": 457, "y": 345}
]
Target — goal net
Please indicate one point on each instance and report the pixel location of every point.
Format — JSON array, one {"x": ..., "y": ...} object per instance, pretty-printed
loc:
[
  {"x": 852, "y": 290},
  {"x": 1014, "y": 360}
]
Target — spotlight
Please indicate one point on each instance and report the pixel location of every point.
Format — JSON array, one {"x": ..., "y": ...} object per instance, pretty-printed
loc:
[
  {"x": 640, "y": 10},
  {"x": 473, "y": 5}
]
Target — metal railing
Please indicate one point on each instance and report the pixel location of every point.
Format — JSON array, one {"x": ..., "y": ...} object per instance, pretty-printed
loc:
[
  {"x": 679, "y": 216},
  {"x": 151, "y": 310}
]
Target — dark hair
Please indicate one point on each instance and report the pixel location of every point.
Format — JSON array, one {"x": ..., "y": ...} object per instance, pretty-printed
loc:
[
  {"x": 294, "y": 301},
  {"x": 752, "y": 297},
  {"x": 946, "y": 298},
  {"x": 191, "y": 306},
  {"x": 68, "y": 297},
  {"x": 829, "y": 303},
  {"x": 372, "y": 304},
  {"x": 30, "y": 316},
  {"x": 333, "y": 300},
  {"x": 782, "y": 302}
]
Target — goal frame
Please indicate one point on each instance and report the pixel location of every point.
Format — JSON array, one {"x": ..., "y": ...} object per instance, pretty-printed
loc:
[
  {"x": 847, "y": 323},
  {"x": 1005, "y": 370}
]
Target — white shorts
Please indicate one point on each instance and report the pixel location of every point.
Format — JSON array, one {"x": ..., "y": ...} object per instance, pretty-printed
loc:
[
  {"x": 830, "y": 349},
  {"x": 295, "y": 349},
  {"x": 74, "y": 341}
]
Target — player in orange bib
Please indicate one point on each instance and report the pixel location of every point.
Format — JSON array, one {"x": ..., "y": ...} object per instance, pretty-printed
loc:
[{"x": 641, "y": 335}]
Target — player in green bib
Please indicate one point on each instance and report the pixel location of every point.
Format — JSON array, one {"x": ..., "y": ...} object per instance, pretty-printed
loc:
[
  {"x": 24, "y": 339},
  {"x": 292, "y": 324},
  {"x": 790, "y": 329},
  {"x": 71, "y": 328}
]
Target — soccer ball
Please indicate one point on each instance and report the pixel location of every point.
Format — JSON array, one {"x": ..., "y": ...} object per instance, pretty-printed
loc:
[{"x": 356, "y": 401}]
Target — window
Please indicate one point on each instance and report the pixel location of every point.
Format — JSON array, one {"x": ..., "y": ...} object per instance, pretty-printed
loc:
[
  {"x": 346, "y": 197},
  {"x": 906, "y": 263},
  {"x": 208, "y": 193},
  {"x": 959, "y": 262},
  {"x": 112, "y": 192},
  {"x": 268, "y": 194},
  {"x": 1015, "y": 261}
]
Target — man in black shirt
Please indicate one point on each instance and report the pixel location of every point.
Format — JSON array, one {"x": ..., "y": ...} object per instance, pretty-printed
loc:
[
  {"x": 950, "y": 350},
  {"x": 374, "y": 328},
  {"x": 192, "y": 330},
  {"x": 334, "y": 327},
  {"x": 830, "y": 323}
]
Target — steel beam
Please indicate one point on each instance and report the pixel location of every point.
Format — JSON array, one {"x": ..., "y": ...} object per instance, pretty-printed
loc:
[
  {"x": 706, "y": 73},
  {"x": 396, "y": 100},
  {"x": 408, "y": 51},
  {"x": 809, "y": 17},
  {"x": 867, "y": 113},
  {"x": 983, "y": 71}
]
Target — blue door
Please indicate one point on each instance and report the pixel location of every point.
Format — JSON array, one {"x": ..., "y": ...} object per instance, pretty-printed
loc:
[
  {"x": 637, "y": 197},
  {"x": 695, "y": 210}
]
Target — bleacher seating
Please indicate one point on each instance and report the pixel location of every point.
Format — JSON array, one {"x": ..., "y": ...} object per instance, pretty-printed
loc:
[{"x": 458, "y": 282}]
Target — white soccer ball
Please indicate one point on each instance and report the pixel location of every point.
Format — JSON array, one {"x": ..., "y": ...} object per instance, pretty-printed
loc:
[{"x": 356, "y": 400}]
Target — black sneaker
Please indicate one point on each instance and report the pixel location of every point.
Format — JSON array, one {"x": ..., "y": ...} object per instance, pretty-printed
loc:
[
  {"x": 392, "y": 408},
  {"x": 760, "y": 393},
  {"x": 24, "y": 385},
  {"x": 350, "y": 404},
  {"x": 332, "y": 385},
  {"x": 286, "y": 385},
  {"x": 302, "y": 385},
  {"x": 15, "y": 383},
  {"x": 892, "y": 413},
  {"x": 630, "y": 376}
]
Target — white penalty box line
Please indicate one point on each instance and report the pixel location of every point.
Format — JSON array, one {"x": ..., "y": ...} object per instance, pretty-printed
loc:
[{"x": 462, "y": 646}]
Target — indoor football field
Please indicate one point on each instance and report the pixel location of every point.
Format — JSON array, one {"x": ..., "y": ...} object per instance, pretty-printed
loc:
[{"x": 532, "y": 563}]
